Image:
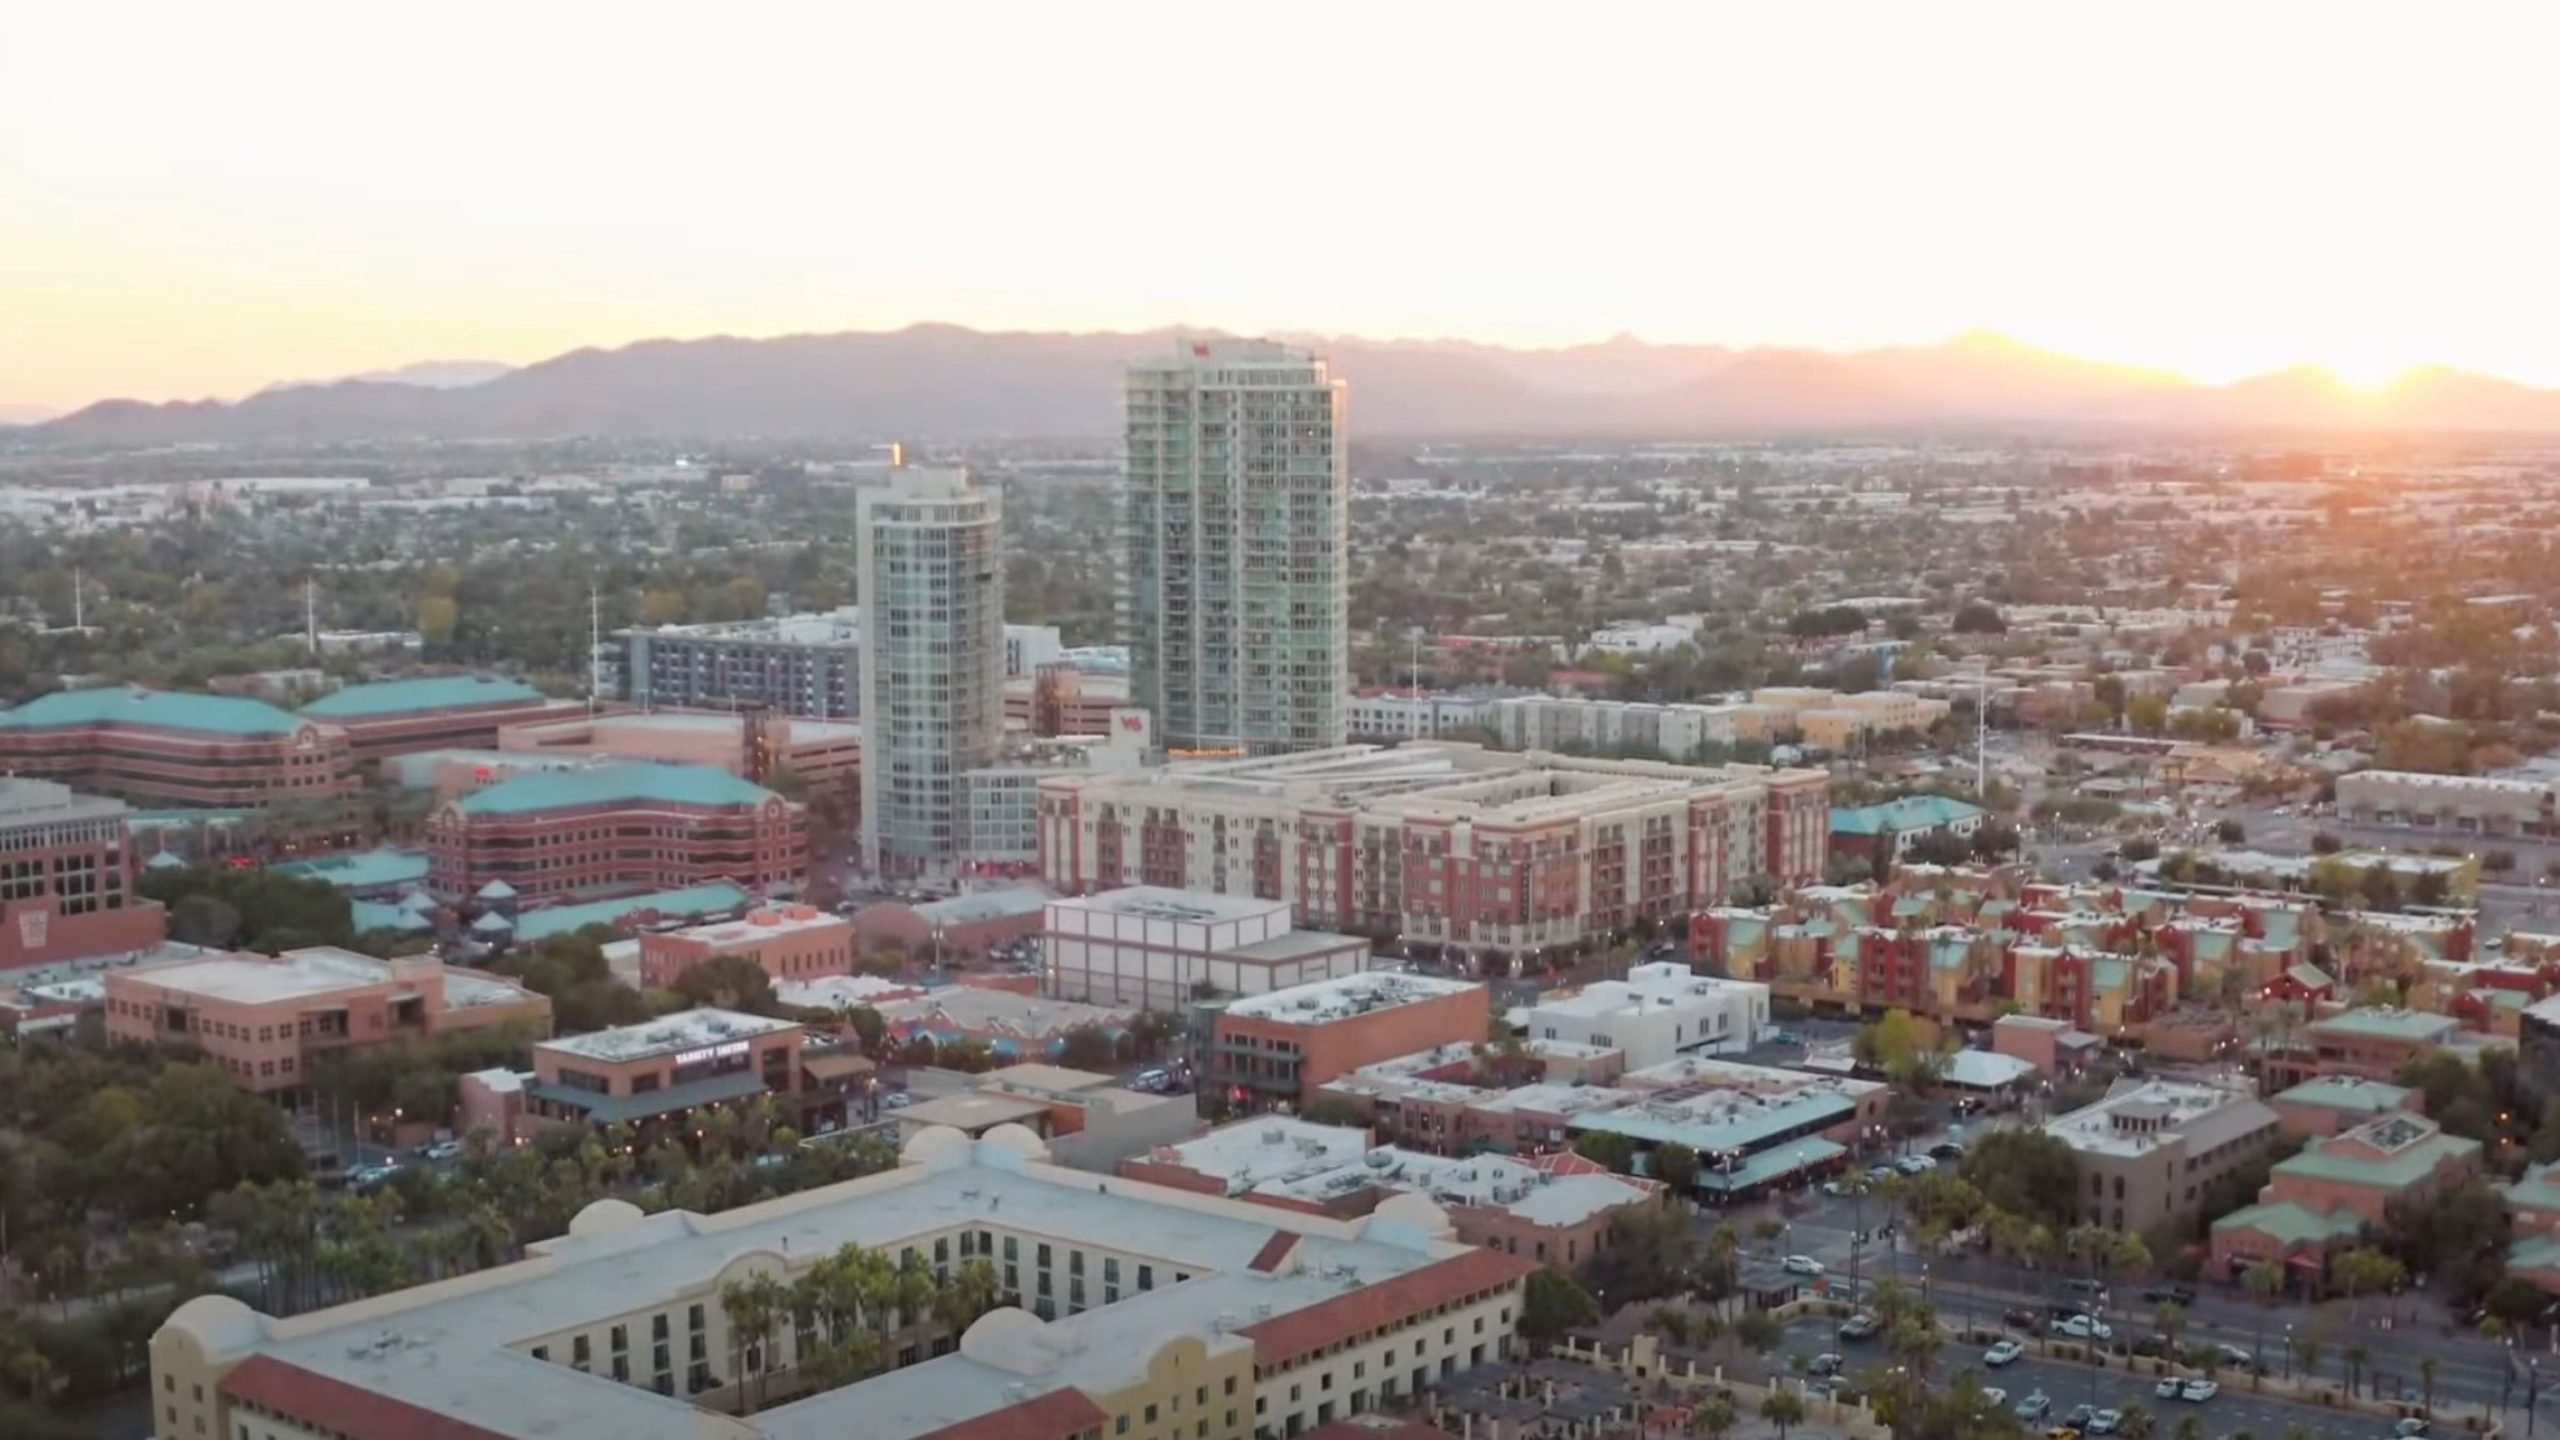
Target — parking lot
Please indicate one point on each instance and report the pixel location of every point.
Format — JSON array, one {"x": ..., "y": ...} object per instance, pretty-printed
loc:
[{"x": 2067, "y": 1385}]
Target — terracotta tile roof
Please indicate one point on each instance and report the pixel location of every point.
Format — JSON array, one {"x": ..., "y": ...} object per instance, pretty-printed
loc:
[
  {"x": 315, "y": 1399},
  {"x": 1283, "y": 1338},
  {"x": 1274, "y": 1252},
  {"x": 1055, "y": 1416}
]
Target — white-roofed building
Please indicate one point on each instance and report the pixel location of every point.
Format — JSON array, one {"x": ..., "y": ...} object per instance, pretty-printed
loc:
[{"x": 1659, "y": 1011}]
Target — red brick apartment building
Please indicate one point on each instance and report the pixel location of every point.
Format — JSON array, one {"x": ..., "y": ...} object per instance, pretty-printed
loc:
[
  {"x": 616, "y": 828},
  {"x": 1282, "y": 1047},
  {"x": 435, "y": 712},
  {"x": 159, "y": 747},
  {"x": 66, "y": 878}
]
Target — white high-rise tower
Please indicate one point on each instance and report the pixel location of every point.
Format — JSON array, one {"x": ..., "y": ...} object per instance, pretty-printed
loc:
[
  {"x": 1234, "y": 514},
  {"x": 932, "y": 664}
]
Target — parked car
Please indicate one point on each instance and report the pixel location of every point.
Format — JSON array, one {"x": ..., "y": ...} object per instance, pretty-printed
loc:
[
  {"x": 1915, "y": 1164},
  {"x": 1994, "y": 1396},
  {"x": 2409, "y": 1429},
  {"x": 2161, "y": 1294},
  {"x": 2083, "y": 1327},
  {"x": 1801, "y": 1265},
  {"x": 372, "y": 1177},
  {"x": 2080, "y": 1416},
  {"x": 1946, "y": 1150},
  {"x": 2034, "y": 1406},
  {"x": 441, "y": 1150},
  {"x": 2199, "y": 1390},
  {"x": 1861, "y": 1326},
  {"x": 2105, "y": 1422},
  {"x": 1785, "y": 1037},
  {"x": 896, "y": 1100},
  {"x": 2003, "y": 1352},
  {"x": 1826, "y": 1365},
  {"x": 2022, "y": 1316},
  {"x": 2085, "y": 1286},
  {"x": 2168, "y": 1387}
]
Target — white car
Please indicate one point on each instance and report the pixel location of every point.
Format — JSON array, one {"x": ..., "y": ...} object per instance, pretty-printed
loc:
[
  {"x": 896, "y": 1100},
  {"x": 2199, "y": 1390},
  {"x": 1801, "y": 1265},
  {"x": 1915, "y": 1164},
  {"x": 2105, "y": 1422},
  {"x": 1994, "y": 1396},
  {"x": 2003, "y": 1352},
  {"x": 2168, "y": 1387},
  {"x": 2083, "y": 1327}
]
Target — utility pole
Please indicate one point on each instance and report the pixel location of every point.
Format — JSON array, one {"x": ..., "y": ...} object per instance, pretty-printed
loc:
[
  {"x": 595, "y": 644},
  {"x": 79, "y": 600},
  {"x": 310, "y": 615}
]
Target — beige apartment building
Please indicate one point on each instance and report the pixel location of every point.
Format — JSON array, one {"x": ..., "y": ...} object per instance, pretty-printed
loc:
[
  {"x": 2151, "y": 1149},
  {"x": 267, "y": 1019},
  {"x": 1440, "y": 843},
  {"x": 1126, "y": 1309}
]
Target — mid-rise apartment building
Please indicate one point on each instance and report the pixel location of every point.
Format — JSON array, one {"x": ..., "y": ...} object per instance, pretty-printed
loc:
[
  {"x": 2151, "y": 1150},
  {"x": 268, "y": 1019},
  {"x": 615, "y": 827},
  {"x": 1128, "y": 1310},
  {"x": 1443, "y": 844},
  {"x": 66, "y": 878},
  {"x": 933, "y": 656},
  {"x": 1553, "y": 722},
  {"x": 165, "y": 748},
  {"x": 1235, "y": 515},
  {"x": 807, "y": 665}
]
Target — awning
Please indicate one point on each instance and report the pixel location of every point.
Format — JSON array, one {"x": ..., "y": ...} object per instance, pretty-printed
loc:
[
  {"x": 1786, "y": 1158},
  {"x": 610, "y": 1109}
]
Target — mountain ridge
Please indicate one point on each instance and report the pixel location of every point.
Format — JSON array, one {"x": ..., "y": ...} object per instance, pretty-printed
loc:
[{"x": 943, "y": 382}]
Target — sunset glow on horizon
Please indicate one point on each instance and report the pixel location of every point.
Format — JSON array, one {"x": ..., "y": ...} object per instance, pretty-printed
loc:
[{"x": 201, "y": 201}]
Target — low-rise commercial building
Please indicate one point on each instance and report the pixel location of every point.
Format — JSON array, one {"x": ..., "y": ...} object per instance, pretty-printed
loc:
[
  {"x": 1011, "y": 1025},
  {"x": 2151, "y": 1150},
  {"x": 267, "y": 1019},
  {"x": 2373, "y": 1043},
  {"x": 2460, "y": 804},
  {"x": 788, "y": 942},
  {"x": 1883, "y": 835},
  {"x": 1159, "y": 949},
  {"x": 1282, "y": 1047},
  {"x": 1086, "y": 1120},
  {"x": 1659, "y": 1011},
  {"x": 627, "y": 827},
  {"x": 162, "y": 747},
  {"x": 1129, "y": 1309},
  {"x": 636, "y": 1073},
  {"x": 2327, "y": 1107},
  {"x": 1443, "y": 845}
]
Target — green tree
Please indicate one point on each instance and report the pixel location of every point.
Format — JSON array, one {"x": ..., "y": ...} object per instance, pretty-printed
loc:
[
  {"x": 1713, "y": 1419},
  {"x": 1676, "y": 1166},
  {"x": 1551, "y": 1304},
  {"x": 2024, "y": 1172},
  {"x": 1608, "y": 1148},
  {"x": 1783, "y": 1409}
]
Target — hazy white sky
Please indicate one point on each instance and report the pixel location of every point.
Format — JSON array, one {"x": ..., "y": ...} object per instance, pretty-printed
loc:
[{"x": 199, "y": 199}]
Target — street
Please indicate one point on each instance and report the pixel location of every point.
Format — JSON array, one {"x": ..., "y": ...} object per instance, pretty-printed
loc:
[{"x": 1976, "y": 1289}]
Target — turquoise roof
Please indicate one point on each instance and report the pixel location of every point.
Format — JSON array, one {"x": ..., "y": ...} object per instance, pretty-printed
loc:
[
  {"x": 2293, "y": 1224},
  {"x": 435, "y": 692},
  {"x": 2534, "y": 1252},
  {"x": 1807, "y": 1154},
  {"x": 1814, "y": 1107},
  {"x": 686, "y": 904},
  {"x": 611, "y": 784},
  {"x": 2398, "y": 1170},
  {"x": 366, "y": 870},
  {"x": 1912, "y": 812},
  {"x": 2389, "y": 1024},
  {"x": 159, "y": 709},
  {"x": 2371, "y": 1097},
  {"x": 368, "y": 915},
  {"x": 2538, "y": 1190}
]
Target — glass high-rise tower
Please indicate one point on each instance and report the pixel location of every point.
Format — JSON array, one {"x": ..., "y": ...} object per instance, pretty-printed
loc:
[
  {"x": 932, "y": 590},
  {"x": 1234, "y": 511}
]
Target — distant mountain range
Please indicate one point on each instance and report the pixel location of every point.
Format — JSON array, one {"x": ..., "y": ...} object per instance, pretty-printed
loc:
[
  {"x": 945, "y": 383},
  {"x": 26, "y": 414},
  {"x": 429, "y": 374}
]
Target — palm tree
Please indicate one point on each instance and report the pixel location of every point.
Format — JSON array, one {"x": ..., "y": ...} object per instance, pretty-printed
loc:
[
  {"x": 1724, "y": 1252},
  {"x": 911, "y": 1290},
  {"x": 2427, "y": 1380},
  {"x": 1783, "y": 1409},
  {"x": 2135, "y": 1423},
  {"x": 751, "y": 1306},
  {"x": 2265, "y": 1280},
  {"x": 2171, "y": 1320},
  {"x": 2356, "y": 1357},
  {"x": 971, "y": 1293},
  {"x": 1713, "y": 1419},
  {"x": 2190, "y": 1428}
]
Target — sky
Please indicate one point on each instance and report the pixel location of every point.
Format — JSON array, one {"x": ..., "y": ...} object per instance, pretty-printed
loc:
[{"x": 197, "y": 200}]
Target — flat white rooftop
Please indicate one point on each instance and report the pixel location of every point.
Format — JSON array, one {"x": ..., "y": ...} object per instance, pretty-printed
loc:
[
  {"x": 1325, "y": 1001},
  {"x": 257, "y": 980},
  {"x": 1161, "y": 902},
  {"x": 843, "y": 992},
  {"x": 1260, "y": 1152},
  {"x": 684, "y": 1030},
  {"x": 2140, "y": 1115},
  {"x": 765, "y": 925}
]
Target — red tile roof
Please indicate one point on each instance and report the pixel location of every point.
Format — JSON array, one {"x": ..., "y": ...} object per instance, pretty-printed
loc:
[
  {"x": 1057, "y": 1415},
  {"x": 1274, "y": 1252},
  {"x": 1284, "y": 1338},
  {"x": 316, "y": 1399}
]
